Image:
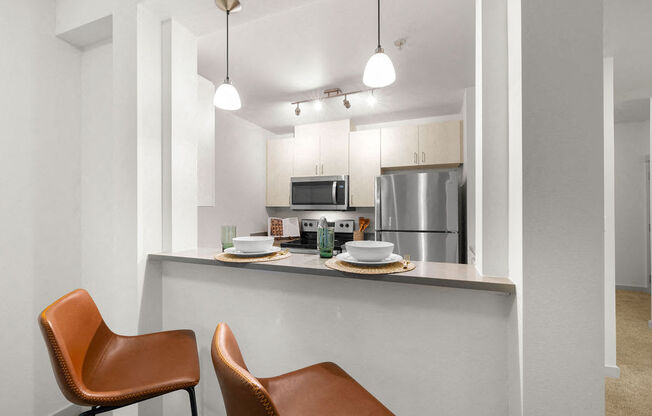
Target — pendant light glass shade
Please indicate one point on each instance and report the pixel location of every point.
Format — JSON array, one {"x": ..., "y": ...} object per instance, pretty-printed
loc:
[
  {"x": 379, "y": 71},
  {"x": 227, "y": 97}
]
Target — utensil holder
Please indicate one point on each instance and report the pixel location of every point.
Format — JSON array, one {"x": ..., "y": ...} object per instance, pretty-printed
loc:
[{"x": 358, "y": 235}]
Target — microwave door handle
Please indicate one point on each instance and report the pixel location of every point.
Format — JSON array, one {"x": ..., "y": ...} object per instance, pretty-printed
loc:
[{"x": 334, "y": 193}]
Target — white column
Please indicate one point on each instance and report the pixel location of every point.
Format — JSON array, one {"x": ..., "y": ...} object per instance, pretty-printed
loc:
[
  {"x": 649, "y": 324},
  {"x": 468, "y": 110},
  {"x": 611, "y": 369},
  {"x": 491, "y": 153},
  {"x": 563, "y": 207},
  {"x": 515, "y": 183},
  {"x": 179, "y": 57}
]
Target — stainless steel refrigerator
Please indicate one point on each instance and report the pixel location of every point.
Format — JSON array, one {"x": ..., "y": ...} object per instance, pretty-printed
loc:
[{"x": 422, "y": 214}]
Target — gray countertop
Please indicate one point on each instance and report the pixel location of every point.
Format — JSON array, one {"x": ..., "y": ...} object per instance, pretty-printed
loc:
[{"x": 462, "y": 276}]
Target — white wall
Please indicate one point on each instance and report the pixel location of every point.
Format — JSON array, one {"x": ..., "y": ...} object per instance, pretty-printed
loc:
[
  {"x": 97, "y": 150},
  {"x": 631, "y": 149},
  {"x": 40, "y": 187},
  {"x": 240, "y": 169}
]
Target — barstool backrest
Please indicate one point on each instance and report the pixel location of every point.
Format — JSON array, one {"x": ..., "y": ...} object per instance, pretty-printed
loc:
[
  {"x": 242, "y": 392},
  {"x": 73, "y": 329}
]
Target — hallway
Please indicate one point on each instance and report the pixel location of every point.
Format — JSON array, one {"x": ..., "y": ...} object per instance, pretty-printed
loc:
[{"x": 630, "y": 394}]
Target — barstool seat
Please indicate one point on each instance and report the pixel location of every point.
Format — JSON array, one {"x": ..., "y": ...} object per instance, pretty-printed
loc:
[
  {"x": 140, "y": 367},
  {"x": 321, "y": 390}
]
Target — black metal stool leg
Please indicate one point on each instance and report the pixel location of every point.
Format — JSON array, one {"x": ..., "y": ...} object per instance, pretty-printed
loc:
[{"x": 193, "y": 400}]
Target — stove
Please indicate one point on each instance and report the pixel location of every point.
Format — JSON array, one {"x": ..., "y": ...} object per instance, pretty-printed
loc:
[{"x": 307, "y": 243}]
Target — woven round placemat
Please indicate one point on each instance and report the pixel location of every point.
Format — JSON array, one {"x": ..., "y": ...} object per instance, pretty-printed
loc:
[
  {"x": 230, "y": 258},
  {"x": 383, "y": 269}
]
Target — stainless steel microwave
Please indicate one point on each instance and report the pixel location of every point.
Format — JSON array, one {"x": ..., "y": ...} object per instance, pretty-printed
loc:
[{"x": 320, "y": 193}]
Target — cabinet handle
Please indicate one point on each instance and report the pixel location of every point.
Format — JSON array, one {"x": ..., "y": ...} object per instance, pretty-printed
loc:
[
  {"x": 316, "y": 167},
  {"x": 416, "y": 160},
  {"x": 423, "y": 157},
  {"x": 322, "y": 168}
]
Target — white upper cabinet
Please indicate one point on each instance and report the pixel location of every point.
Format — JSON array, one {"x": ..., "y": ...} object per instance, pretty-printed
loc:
[
  {"x": 399, "y": 146},
  {"x": 322, "y": 149},
  {"x": 440, "y": 143},
  {"x": 279, "y": 171},
  {"x": 306, "y": 155},
  {"x": 432, "y": 144},
  {"x": 334, "y": 154},
  {"x": 364, "y": 156}
]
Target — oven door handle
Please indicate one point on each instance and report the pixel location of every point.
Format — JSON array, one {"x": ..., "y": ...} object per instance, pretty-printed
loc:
[{"x": 334, "y": 193}]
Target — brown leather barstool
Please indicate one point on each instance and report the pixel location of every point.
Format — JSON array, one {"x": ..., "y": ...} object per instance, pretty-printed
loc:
[
  {"x": 319, "y": 390},
  {"x": 97, "y": 368}
]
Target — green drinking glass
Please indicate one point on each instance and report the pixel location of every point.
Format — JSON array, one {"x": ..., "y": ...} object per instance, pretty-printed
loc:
[
  {"x": 228, "y": 232},
  {"x": 326, "y": 242}
]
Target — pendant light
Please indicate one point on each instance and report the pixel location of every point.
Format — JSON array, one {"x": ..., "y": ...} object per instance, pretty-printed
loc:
[
  {"x": 379, "y": 71},
  {"x": 226, "y": 96}
]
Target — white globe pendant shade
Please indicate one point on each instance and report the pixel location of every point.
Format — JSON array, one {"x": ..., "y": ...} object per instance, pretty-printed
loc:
[
  {"x": 227, "y": 97},
  {"x": 379, "y": 71}
]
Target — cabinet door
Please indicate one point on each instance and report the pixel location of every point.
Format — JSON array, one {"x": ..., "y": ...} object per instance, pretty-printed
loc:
[
  {"x": 306, "y": 156},
  {"x": 364, "y": 166},
  {"x": 440, "y": 143},
  {"x": 334, "y": 154},
  {"x": 399, "y": 146},
  {"x": 279, "y": 171}
]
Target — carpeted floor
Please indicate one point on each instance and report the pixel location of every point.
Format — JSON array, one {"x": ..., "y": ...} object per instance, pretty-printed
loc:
[{"x": 631, "y": 394}]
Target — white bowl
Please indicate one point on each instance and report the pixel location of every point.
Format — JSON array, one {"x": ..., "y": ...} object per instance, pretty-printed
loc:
[
  {"x": 369, "y": 250},
  {"x": 253, "y": 244}
]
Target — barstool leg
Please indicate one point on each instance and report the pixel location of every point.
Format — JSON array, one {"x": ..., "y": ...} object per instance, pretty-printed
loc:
[{"x": 193, "y": 400}]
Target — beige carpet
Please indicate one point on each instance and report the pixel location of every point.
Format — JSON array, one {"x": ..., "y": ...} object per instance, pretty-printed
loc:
[{"x": 631, "y": 395}]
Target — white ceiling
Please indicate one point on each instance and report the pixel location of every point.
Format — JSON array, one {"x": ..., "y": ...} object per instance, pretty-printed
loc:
[
  {"x": 288, "y": 50},
  {"x": 628, "y": 38}
]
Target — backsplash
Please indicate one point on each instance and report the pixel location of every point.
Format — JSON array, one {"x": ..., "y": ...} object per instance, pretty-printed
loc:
[{"x": 330, "y": 215}]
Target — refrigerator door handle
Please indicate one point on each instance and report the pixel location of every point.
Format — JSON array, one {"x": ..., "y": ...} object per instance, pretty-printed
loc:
[{"x": 378, "y": 206}]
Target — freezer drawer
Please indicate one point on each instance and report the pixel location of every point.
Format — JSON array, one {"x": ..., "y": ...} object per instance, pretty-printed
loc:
[{"x": 424, "y": 246}]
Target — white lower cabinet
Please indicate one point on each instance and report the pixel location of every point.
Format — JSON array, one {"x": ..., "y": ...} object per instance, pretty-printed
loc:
[
  {"x": 279, "y": 171},
  {"x": 364, "y": 166}
]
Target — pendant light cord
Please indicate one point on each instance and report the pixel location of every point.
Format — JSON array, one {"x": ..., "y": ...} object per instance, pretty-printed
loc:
[
  {"x": 227, "y": 44},
  {"x": 379, "y": 24}
]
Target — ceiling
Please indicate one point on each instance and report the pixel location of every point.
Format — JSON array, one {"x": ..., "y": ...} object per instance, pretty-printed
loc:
[
  {"x": 627, "y": 37},
  {"x": 289, "y": 50}
]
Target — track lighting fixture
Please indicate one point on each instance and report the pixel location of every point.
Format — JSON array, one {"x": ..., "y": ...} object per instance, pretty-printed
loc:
[{"x": 333, "y": 93}]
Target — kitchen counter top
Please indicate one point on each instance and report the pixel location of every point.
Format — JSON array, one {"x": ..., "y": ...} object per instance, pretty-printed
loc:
[{"x": 460, "y": 276}]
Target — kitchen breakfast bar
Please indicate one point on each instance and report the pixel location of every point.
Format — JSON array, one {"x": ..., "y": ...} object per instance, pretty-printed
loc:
[{"x": 433, "y": 340}]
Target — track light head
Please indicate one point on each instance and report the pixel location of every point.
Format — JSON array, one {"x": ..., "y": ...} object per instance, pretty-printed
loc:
[
  {"x": 346, "y": 102},
  {"x": 297, "y": 111}
]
